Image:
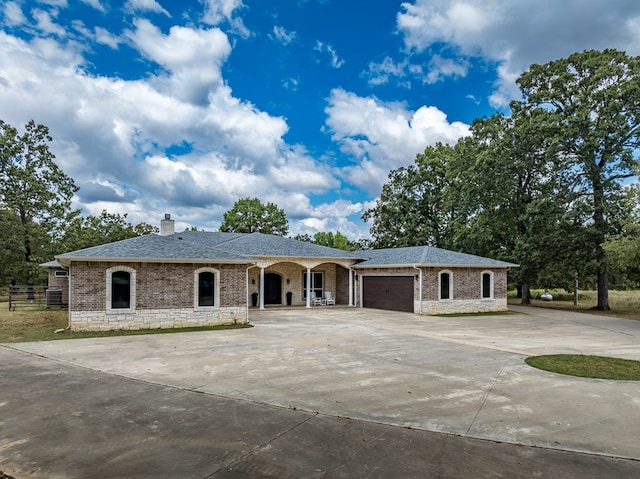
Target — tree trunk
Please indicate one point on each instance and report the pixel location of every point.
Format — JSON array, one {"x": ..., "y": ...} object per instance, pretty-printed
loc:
[
  {"x": 526, "y": 294},
  {"x": 603, "y": 280},
  {"x": 600, "y": 224},
  {"x": 25, "y": 231}
]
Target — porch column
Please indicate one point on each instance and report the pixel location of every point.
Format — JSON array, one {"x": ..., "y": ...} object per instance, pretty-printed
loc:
[
  {"x": 308, "y": 287},
  {"x": 350, "y": 287},
  {"x": 261, "y": 287}
]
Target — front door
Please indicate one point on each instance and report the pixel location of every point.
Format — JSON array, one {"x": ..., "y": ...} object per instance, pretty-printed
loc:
[{"x": 272, "y": 288}]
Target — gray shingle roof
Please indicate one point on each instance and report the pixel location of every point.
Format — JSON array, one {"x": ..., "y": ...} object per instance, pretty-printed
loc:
[
  {"x": 239, "y": 248},
  {"x": 153, "y": 247},
  {"x": 51, "y": 264},
  {"x": 207, "y": 238},
  {"x": 258, "y": 244},
  {"x": 425, "y": 256},
  {"x": 205, "y": 246}
]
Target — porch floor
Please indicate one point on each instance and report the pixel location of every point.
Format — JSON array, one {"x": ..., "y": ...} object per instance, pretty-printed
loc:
[{"x": 272, "y": 307}]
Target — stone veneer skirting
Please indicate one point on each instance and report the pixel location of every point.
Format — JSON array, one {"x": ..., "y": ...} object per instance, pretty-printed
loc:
[
  {"x": 155, "y": 318},
  {"x": 461, "y": 306}
]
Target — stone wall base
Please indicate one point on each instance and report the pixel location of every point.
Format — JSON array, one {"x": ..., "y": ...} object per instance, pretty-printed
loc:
[
  {"x": 461, "y": 306},
  {"x": 155, "y": 318}
]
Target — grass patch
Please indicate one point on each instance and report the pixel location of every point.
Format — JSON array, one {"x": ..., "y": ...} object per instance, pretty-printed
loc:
[
  {"x": 624, "y": 304},
  {"x": 597, "y": 367},
  {"x": 39, "y": 324}
]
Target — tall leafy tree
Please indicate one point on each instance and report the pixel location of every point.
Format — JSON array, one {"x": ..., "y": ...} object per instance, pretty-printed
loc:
[
  {"x": 337, "y": 240},
  {"x": 593, "y": 100},
  {"x": 513, "y": 186},
  {"x": 11, "y": 248},
  {"x": 623, "y": 248},
  {"x": 86, "y": 231},
  {"x": 250, "y": 215},
  {"x": 413, "y": 208},
  {"x": 34, "y": 189},
  {"x": 303, "y": 237}
]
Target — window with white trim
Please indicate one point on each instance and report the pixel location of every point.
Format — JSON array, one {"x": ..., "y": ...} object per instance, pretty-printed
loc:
[
  {"x": 487, "y": 285},
  {"x": 445, "y": 281},
  {"x": 121, "y": 289},
  {"x": 206, "y": 288}
]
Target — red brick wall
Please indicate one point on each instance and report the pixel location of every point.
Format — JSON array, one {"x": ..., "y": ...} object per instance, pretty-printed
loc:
[
  {"x": 499, "y": 283},
  {"x": 88, "y": 286},
  {"x": 59, "y": 282},
  {"x": 233, "y": 284},
  {"x": 342, "y": 285},
  {"x": 466, "y": 282},
  {"x": 158, "y": 285}
]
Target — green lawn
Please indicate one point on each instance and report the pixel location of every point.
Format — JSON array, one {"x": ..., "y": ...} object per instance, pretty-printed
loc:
[
  {"x": 598, "y": 367},
  {"x": 39, "y": 324}
]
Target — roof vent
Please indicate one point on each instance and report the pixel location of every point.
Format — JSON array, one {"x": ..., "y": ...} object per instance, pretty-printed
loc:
[{"x": 167, "y": 225}]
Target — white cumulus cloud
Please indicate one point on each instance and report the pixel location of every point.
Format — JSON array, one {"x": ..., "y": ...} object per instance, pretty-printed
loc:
[
  {"x": 145, "y": 6},
  {"x": 176, "y": 141},
  {"x": 516, "y": 34},
  {"x": 219, "y": 11},
  {"x": 12, "y": 13},
  {"x": 384, "y": 136}
]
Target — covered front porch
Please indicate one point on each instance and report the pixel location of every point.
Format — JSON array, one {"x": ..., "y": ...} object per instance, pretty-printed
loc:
[{"x": 272, "y": 283}]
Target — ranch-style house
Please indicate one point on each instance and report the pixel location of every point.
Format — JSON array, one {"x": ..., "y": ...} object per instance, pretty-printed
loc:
[{"x": 197, "y": 278}]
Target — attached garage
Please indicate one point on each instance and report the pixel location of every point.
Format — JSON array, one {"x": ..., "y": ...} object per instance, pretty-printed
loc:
[
  {"x": 413, "y": 279},
  {"x": 393, "y": 293}
]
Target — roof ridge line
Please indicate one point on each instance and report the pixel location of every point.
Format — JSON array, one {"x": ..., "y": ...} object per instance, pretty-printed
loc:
[
  {"x": 230, "y": 240},
  {"x": 425, "y": 254}
]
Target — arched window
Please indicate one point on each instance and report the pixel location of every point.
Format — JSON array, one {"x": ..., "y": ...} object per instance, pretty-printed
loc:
[
  {"x": 446, "y": 285},
  {"x": 206, "y": 288},
  {"x": 487, "y": 285},
  {"x": 121, "y": 288}
]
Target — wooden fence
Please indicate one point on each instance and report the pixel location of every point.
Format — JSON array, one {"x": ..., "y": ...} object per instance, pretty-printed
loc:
[{"x": 22, "y": 296}]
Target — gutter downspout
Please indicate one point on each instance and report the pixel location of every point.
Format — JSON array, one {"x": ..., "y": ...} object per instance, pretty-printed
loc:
[
  {"x": 69, "y": 298},
  {"x": 247, "y": 287},
  {"x": 420, "y": 288},
  {"x": 350, "y": 286}
]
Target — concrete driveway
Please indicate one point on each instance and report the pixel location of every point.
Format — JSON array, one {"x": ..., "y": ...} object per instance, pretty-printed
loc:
[{"x": 465, "y": 376}]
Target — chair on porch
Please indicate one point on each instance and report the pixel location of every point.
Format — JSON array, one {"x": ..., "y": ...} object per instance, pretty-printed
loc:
[
  {"x": 328, "y": 298},
  {"x": 315, "y": 300}
]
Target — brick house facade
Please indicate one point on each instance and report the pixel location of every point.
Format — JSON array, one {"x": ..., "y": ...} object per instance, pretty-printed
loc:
[
  {"x": 426, "y": 280},
  {"x": 201, "y": 279},
  {"x": 164, "y": 296}
]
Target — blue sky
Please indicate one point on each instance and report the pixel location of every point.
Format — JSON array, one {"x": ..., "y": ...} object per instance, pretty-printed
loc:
[{"x": 184, "y": 107}]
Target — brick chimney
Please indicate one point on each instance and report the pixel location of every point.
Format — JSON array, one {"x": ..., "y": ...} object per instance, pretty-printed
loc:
[{"x": 167, "y": 225}]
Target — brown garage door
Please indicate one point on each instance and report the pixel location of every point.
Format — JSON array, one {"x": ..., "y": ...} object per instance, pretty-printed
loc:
[{"x": 394, "y": 293}]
